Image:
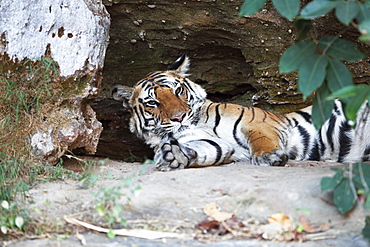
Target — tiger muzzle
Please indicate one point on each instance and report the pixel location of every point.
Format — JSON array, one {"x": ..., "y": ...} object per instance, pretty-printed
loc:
[{"x": 178, "y": 117}]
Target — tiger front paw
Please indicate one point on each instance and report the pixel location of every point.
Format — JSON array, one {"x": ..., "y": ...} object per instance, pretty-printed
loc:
[
  {"x": 172, "y": 157},
  {"x": 275, "y": 158}
]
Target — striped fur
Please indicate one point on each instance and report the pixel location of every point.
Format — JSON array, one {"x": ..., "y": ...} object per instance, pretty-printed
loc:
[{"x": 171, "y": 113}]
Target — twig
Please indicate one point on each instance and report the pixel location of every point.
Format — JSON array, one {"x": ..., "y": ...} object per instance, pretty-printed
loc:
[
  {"x": 351, "y": 181},
  {"x": 139, "y": 233},
  {"x": 319, "y": 236},
  {"x": 363, "y": 179}
]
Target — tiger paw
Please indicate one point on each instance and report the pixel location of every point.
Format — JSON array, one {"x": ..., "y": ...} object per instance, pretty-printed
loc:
[
  {"x": 172, "y": 157},
  {"x": 275, "y": 158}
]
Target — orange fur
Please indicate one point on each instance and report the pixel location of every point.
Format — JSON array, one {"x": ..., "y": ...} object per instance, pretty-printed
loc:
[
  {"x": 259, "y": 126},
  {"x": 170, "y": 105}
]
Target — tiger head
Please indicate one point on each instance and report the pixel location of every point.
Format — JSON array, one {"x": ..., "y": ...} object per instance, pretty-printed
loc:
[{"x": 163, "y": 102}]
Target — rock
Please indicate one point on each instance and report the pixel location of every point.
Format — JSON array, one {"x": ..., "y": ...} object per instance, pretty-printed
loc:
[
  {"x": 75, "y": 30},
  {"x": 52, "y": 54},
  {"x": 116, "y": 140}
]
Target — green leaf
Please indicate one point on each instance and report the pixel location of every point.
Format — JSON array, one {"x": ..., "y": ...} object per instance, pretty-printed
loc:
[
  {"x": 336, "y": 169},
  {"x": 5, "y": 204},
  {"x": 303, "y": 210},
  {"x": 366, "y": 205},
  {"x": 361, "y": 177},
  {"x": 354, "y": 97},
  {"x": 312, "y": 73},
  {"x": 344, "y": 92},
  {"x": 354, "y": 104},
  {"x": 111, "y": 234},
  {"x": 19, "y": 222},
  {"x": 346, "y": 11},
  {"x": 360, "y": 191},
  {"x": 111, "y": 219},
  {"x": 287, "y": 8},
  {"x": 330, "y": 183},
  {"x": 338, "y": 75},
  {"x": 137, "y": 191},
  {"x": 327, "y": 183},
  {"x": 340, "y": 49},
  {"x": 124, "y": 222},
  {"x": 365, "y": 39},
  {"x": 364, "y": 12},
  {"x": 366, "y": 230},
  {"x": 300, "y": 228},
  {"x": 364, "y": 28},
  {"x": 4, "y": 229},
  {"x": 364, "y": 167},
  {"x": 11, "y": 219},
  {"x": 100, "y": 209},
  {"x": 317, "y": 8},
  {"x": 251, "y": 7},
  {"x": 322, "y": 108},
  {"x": 344, "y": 197},
  {"x": 117, "y": 210},
  {"x": 295, "y": 55}
]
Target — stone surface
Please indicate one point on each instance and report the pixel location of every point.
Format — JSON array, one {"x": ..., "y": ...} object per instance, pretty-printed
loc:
[
  {"x": 75, "y": 30},
  {"x": 76, "y": 129},
  {"x": 52, "y": 55},
  {"x": 174, "y": 202}
]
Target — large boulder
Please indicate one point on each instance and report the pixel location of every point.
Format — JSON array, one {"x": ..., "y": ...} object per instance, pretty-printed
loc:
[{"x": 51, "y": 58}]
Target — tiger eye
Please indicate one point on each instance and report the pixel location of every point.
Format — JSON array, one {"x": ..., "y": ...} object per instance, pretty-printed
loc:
[
  {"x": 152, "y": 102},
  {"x": 178, "y": 91}
]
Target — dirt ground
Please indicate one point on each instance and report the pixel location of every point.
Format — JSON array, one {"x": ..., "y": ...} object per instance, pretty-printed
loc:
[{"x": 175, "y": 202}]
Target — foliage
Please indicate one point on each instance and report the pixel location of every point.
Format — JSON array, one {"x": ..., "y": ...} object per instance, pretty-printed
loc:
[
  {"x": 346, "y": 184},
  {"x": 39, "y": 77},
  {"x": 366, "y": 230},
  {"x": 13, "y": 177},
  {"x": 107, "y": 202},
  {"x": 24, "y": 88},
  {"x": 18, "y": 175},
  {"x": 11, "y": 217},
  {"x": 344, "y": 187},
  {"x": 350, "y": 185},
  {"x": 320, "y": 62}
]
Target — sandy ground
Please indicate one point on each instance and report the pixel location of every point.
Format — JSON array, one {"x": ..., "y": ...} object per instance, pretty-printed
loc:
[{"x": 174, "y": 202}]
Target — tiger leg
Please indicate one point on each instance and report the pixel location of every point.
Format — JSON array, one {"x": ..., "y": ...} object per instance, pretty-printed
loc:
[
  {"x": 190, "y": 150},
  {"x": 265, "y": 148},
  {"x": 172, "y": 156}
]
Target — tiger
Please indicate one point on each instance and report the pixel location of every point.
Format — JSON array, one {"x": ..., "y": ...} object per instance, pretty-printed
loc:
[{"x": 172, "y": 114}]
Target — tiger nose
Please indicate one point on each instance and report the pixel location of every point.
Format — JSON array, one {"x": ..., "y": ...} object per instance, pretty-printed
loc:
[{"x": 178, "y": 117}]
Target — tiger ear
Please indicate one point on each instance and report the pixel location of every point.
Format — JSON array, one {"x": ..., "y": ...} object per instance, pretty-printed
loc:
[
  {"x": 181, "y": 65},
  {"x": 122, "y": 93}
]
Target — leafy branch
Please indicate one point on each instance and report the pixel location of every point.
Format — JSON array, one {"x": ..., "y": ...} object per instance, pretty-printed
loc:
[
  {"x": 350, "y": 185},
  {"x": 320, "y": 63}
]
